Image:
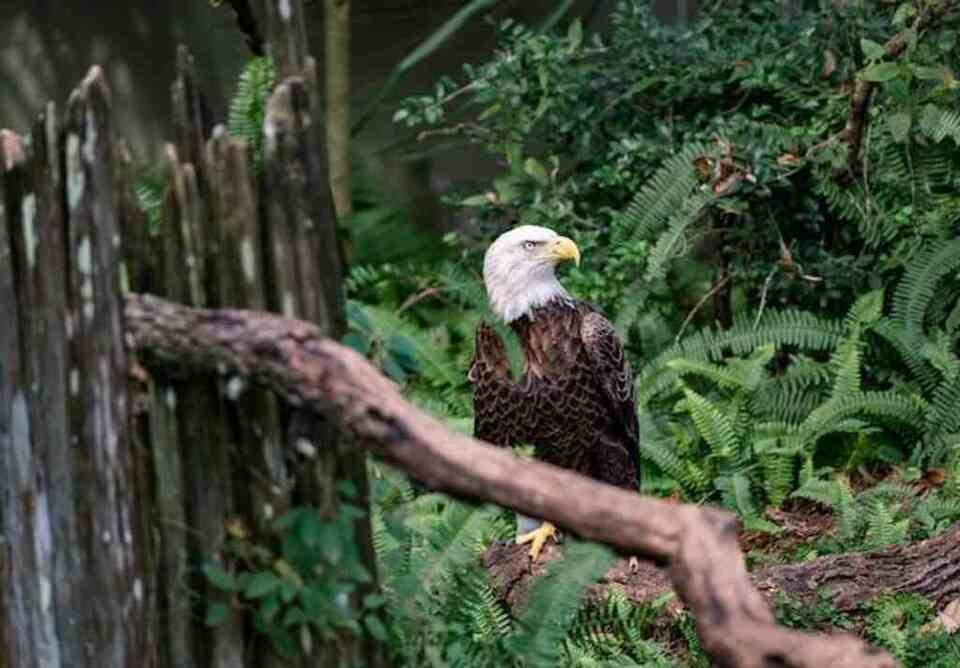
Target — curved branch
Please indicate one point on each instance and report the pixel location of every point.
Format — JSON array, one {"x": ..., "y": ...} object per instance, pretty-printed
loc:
[{"x": 291, "y": 357}]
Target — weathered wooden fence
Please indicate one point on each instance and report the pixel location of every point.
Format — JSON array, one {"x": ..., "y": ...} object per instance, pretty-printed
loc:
[{"x": 115, "y": 485}]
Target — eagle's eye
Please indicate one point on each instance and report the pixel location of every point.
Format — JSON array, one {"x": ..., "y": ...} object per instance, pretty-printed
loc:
[{"x": 529, "y": 245}]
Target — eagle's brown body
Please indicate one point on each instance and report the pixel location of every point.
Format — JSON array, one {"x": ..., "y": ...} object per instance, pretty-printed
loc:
[{"x": 575, "y": 400}]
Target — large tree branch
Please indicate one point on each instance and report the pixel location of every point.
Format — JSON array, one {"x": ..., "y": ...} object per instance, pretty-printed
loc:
[
  {"x": 706, "y": 567},
  {"x": 863, "y": 89}
]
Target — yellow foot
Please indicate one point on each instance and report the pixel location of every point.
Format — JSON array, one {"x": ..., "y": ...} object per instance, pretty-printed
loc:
[{"x": 538, "y": 538}]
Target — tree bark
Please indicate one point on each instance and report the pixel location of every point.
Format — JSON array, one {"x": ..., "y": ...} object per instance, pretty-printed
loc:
[
  {"x": 734, "y": 622},
  {"x": 337, "y": 68}
]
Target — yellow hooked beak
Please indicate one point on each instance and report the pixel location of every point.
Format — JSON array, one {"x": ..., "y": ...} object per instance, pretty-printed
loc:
[{"x": 561, "y": 249}]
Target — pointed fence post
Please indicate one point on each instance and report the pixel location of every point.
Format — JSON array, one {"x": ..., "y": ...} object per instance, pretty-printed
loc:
[{"x": 74, "y": 589}]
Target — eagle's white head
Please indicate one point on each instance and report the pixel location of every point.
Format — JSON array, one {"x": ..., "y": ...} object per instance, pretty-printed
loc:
[{"x": 518, "y": 270}]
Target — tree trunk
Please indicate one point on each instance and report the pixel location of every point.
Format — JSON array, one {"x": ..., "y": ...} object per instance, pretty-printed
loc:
[{"x": 337, "y": 66}]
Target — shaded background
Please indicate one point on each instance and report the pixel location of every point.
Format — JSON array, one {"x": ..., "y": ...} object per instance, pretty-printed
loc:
[{"x": 46, "y": 46}]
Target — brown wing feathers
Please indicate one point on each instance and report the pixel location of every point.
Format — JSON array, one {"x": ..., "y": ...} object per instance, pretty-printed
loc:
[{"x": 575, "y": 400}]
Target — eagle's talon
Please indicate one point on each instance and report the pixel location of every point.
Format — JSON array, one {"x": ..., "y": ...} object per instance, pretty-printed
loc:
[{"x": 538, "y": 538}]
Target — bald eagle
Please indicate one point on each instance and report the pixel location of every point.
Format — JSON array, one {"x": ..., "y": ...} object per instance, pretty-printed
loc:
[{"x": 575, "y": 400}]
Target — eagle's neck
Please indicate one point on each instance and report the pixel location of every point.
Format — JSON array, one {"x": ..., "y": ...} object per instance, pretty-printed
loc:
[
  {"x": 557, "y": 306},
  {"x": 513, "y": 300}
]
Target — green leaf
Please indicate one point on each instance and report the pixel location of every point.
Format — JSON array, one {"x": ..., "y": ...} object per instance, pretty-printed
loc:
[
  {"x": 533, "y": 167},
  {"x": 283, "y": 642},
  {"x": 295, "y": 615},
  {"x": 881, "y": 72},
  {"x": 872, "y": 50},
  {"x": 575, "y": 34},
  {"x": 216, "y": 614},
  {"x": 261, "y": 584},
  {"x": 476, "y": 200},
  {"x": 393, "y": 369},
  {"x": 506, "y": 189},
  {"x": 900, "y": 125},
  {"x": 373, "y": 601},
  {"x": 346, "y": 489},
  {"x": 358, "y": 319},
  {"x": 403, "y": 350},
  {"x": 269, "y": 609},
  {"x": 904, "y": 12},
  {"x": 219, "y": 577},
  {"x": 938, "y": 73},
  {"x": 357, "y": 342},
  {"x": 375, "y": 627}
]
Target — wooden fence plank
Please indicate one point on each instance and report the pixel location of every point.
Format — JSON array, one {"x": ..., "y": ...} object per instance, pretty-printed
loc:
[
  {"x": 40, "y": 361},
  {"x": 286, "y": 36},
  {"x": 110, "y": 507},
  {"x": 305, "y": 263},
  {"x": 303, "y": 245},
  {"x": 30, "y": 626},
  {"x": 112, "y": 628}
]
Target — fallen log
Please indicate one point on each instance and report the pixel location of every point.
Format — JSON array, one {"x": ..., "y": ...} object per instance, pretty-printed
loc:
[
  {"x": 930, "y": 568},
  {"x": 735, "y": 625}
]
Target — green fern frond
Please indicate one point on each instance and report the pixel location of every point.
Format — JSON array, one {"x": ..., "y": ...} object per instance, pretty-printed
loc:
[
  {"x": 865, "y": 311},
  {"x": 685, "y": 472},
  {"x": 665, "y": 192},
  {"x": 938, "y": 124},
  {"x": 716, "y": 373},
  {"x": 778, "y": 328},
  {"x": 665, "y": 249},
  {"x": 882, "y": 526},
  {"x": 787, "y": 404},
  {"x": 554, "y": 600},
  {"x": 149, "y": 197},
  {"x": 779, "y": 474},
  {"x": 248, "y": 106},
  {"x": 943, "y": 417},
  {"x": 825, "y": 492},
  {"x": 906, "y": 346},
  {"x": 714, "y": 425},
  {"x": 907, "y": 410},
  {"x": 846, "y": 365},
  {"x": 917, "y": 288}
]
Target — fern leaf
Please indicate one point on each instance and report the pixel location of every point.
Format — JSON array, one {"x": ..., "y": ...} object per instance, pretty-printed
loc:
[
  {"x": 554, "y": 600},
  {"x": 917, "y": 288},
  {"x": 715, "y": 426},
  {"x": 248, "y": 106},
  {"x": 664, "y": 193}
]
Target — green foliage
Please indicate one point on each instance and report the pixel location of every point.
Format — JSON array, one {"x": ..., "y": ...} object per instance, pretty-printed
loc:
[
  {"x": 793, "y": 324},
  {"x": 442, "y": 609},
  {"x": 904, "y": 626},
  {"x": 889, "y": 513},
  {"x": 248, "y": 106},
  {"x": 800, "y": 615},
  {"x": 297, "y": 583}
]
